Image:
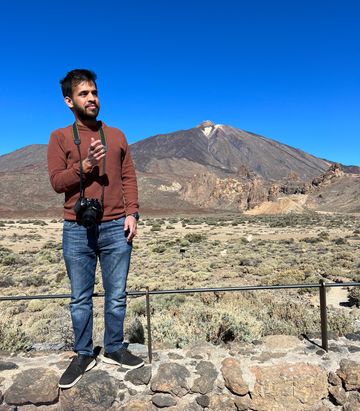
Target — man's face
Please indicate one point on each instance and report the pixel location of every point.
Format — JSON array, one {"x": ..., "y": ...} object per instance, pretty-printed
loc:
[{"x": 84, "y": 101}]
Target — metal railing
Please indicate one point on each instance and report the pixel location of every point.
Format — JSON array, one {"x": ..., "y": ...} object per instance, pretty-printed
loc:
[{"x": 147, "y": 293}]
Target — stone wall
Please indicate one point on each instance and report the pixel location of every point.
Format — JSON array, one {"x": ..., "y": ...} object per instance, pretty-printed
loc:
[{"x": 278, "y": 373}]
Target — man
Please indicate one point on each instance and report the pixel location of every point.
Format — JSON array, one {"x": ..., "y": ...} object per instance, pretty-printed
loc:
[{"x": 100, "y": 156}]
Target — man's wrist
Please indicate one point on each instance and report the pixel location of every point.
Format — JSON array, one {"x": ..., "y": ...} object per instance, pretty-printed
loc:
[
  {"x": 136, "y": 215},
  {"x": 87, "y": 166}
]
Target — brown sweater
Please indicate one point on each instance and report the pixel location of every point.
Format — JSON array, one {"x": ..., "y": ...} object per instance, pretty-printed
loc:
[{"x": 120, "y": 195}]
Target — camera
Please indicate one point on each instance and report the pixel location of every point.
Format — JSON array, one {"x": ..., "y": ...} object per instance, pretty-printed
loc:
[{"x": 87, "y": 211}]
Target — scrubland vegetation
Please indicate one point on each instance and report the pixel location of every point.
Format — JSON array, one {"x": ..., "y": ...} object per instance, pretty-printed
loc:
[{"x": 189, "y": 252}]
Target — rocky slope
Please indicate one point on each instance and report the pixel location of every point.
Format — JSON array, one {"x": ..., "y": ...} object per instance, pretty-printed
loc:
[
  {"x": 278, "y": 373},
  {"x": 333, "y": 190}
]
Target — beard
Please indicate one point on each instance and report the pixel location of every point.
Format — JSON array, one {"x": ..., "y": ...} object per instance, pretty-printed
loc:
[{"x": 85, "y": 114}]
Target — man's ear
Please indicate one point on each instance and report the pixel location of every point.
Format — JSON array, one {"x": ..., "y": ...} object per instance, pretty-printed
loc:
[{"x": 69, "y": 102}]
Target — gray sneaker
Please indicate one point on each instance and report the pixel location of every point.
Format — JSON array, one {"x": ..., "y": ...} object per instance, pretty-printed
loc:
[
  {"x": 124, "y": 358},
  {"x": 77, "y": 368}
]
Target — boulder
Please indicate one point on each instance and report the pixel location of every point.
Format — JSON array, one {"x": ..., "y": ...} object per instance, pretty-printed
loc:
[
  {"x": 352, "y": 402},
  {"x": 349, "y": 372},
  {"x": 242, "y": 403},
  {"x": 171, "y": 378},
  {"x": 221, "y": 402},
  {"x": 33, "y": 386},
  {"x": 334, "y": 379},
  {"x": 233, "y": 378},
  {"x": 186, "y": 404},
  {"x": 205, "y": 382},
  {"x": 96, "y": 391},
  {"x": 203, "y": 400},
  {"x": 137, "y": 405},
  {"x": 338, "y": 394},
  {"x": 139, "y": 376},
  {"x": 163, "y": 400},
  {"x": 7, "y": 365},
  {"x": 284, "y": 387}
]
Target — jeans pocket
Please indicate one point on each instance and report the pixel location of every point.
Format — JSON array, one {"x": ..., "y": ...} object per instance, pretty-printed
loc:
[
  {"x": 119, "y": 221},
  {"x": 70, "y": 224}
]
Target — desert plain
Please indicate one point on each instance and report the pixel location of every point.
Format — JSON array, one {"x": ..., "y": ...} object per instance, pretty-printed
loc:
[{"x": 180, "y": 252}]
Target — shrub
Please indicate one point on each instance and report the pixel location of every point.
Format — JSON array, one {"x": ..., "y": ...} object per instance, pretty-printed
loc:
[
  {"x": 354, "y": 296},
  {"x": 135, "y": 331},
  {"x": 194, "y": 237},
  {"x": 34, "y": 280},
  {"x": 340, "y": 322},
  {"x": 13, "y": 338},
  {"x": 60, "y": 275},
  {"x": 312, "y": 240},
  {"x": 324, "y": 235},
  {"x": 4, "y": 250},
  {"x": 155, "y": 228},
  {"x": 37, "y": 305},
  {"x": 7, "y": 282},
  {"x": 289, "y": 318},
  {"x": 160, "y": 248},
  {"x": 49, "y": 256},
  {"x": 340, "y": 241},
  {"x": 186, "y": 319},
  {"x": 184, "y": 243},
  {"x": 52, "y": 245},
  {"x": 9, "y": 259},
  {"x": 137, "y": 307},
  {"x": 39, "y": 222}
]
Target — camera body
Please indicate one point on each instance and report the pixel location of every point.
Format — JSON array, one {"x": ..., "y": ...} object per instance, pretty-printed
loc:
[{"x": 87, "y": 211}]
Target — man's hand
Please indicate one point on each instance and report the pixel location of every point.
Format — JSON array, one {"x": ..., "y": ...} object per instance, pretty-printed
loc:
[
  {"x": 130, "y": 226},
  {"x": 95, "y": 153}
]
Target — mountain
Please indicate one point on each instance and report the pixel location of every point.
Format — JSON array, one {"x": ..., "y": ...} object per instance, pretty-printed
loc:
[
  {"x": 29, "y": 156},
  {"x": 24, "y": 184},
  {"x": 223, "y": 150},
  {"x": 208, "y": 167}
]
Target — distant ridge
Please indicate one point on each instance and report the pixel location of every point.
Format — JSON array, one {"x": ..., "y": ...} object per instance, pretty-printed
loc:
[{"x": 32, "y": 155}]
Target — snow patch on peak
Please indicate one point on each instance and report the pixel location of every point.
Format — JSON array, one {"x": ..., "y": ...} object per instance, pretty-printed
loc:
[
  {"x": 207, "y": 130},
  {"x": 207, "y": 127}
]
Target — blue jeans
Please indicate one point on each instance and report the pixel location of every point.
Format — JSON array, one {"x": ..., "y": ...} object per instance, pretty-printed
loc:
[{"x": 81, "y": 248}]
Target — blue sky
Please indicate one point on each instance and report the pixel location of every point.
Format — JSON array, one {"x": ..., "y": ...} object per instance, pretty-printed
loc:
[{"x": 289, "y": 70}]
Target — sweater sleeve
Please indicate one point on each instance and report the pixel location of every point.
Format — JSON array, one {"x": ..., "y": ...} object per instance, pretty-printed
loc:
[
  {"x": 129, "y": 182},
  {"x": 62, "y": 178}
]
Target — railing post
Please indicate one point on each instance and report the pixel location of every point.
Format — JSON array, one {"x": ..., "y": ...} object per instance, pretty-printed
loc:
[
  {"x": 148, "y": 314},
  {"x": 323, "y": 316}
]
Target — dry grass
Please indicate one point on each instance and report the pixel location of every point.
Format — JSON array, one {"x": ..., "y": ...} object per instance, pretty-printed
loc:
[{"x": 185, "y": 253}]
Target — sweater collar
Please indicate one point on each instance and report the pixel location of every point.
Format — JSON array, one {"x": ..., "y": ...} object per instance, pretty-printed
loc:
[{"x": 96, "y": 127}]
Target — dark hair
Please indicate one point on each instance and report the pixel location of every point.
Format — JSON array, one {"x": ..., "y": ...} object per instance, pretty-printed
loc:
[{"x": 75, "y": 77}]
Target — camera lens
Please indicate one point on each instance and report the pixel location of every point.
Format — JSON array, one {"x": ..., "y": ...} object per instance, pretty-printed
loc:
[{"x": 89, "y": 217}]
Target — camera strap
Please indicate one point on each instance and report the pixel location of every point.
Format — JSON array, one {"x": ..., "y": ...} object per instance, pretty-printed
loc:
[{"x": 77, "y": 141}]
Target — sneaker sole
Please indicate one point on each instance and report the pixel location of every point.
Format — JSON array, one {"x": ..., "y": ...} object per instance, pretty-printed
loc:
[
  {"x": 88, "y": 368},
  {"x": 126, "y": 366}
]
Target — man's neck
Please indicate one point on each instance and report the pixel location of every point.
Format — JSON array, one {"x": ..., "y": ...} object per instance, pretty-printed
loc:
[{"x": 86, "y": 123}]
